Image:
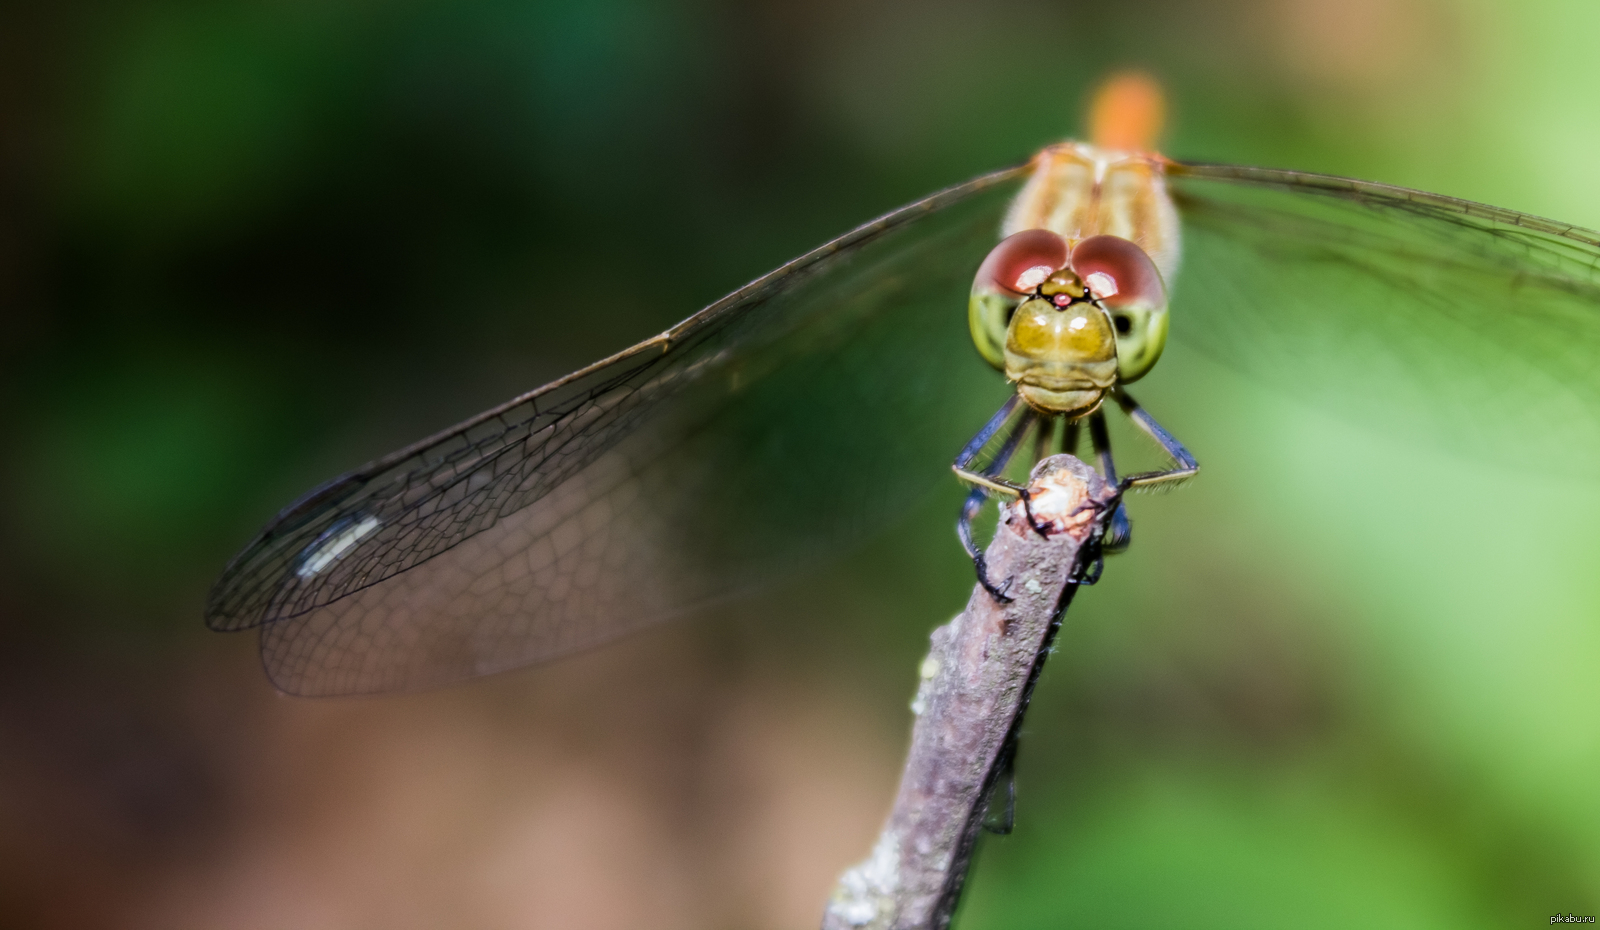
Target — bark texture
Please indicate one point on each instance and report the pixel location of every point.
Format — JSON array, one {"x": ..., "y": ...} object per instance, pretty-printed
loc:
[{"x": 976, "y": 682}]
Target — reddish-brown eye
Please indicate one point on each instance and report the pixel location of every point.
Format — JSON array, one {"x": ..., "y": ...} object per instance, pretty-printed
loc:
[
  {"x": 1022, "y": 261},
  {"x": 1118, "y": 272}
]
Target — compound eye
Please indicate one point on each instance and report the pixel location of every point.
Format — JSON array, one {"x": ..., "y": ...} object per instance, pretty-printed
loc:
[
  {"x": 1118, "y": 273},
  {"x": 1022, "y": 261},
  {"x": 1127, "y": 283}
]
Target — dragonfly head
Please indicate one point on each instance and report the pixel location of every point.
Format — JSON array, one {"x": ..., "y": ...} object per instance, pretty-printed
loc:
[
  {"x": 1068, "y": 324},
  {"x": 1060, "y": 347}
]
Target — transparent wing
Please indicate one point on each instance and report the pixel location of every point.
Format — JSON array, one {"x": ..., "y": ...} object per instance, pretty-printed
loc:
[
  {"x": 807, "y": 405},
  {"x": 1484, "y": 323}
]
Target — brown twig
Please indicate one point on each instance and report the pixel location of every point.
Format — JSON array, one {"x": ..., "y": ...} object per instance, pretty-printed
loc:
[{"x": 976, "y": 682}]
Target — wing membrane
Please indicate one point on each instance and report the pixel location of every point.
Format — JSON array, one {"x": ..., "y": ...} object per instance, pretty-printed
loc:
[
  {"x": 1374, "y": 299},
  {"x": 688, "y": 466},
  {"x": 820, "y": 398}
]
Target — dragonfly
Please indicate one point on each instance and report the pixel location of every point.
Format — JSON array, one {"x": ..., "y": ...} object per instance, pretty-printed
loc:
[{"x": 814, "y": 403}]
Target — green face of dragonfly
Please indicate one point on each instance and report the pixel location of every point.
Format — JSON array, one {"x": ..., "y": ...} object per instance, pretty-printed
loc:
[
  {"x": 1141, "y": 335},
  {"x": 1064, "y": 339},
  {"x": 1061, "y": 349}
]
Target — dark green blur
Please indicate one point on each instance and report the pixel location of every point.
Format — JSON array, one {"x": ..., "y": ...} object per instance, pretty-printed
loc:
[{"x": 1343, "y": 679}]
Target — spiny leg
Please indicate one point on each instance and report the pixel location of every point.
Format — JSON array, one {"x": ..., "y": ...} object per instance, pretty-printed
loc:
[
  {"x": 974, "y": 503},
  {"x": 988, "y": 480},
  {"x": 1186, "y": 466},
  {"x": 1069, "y": 437},
  {"x": 1120, "y": 532},
  {"x": 969, "y": 509},
  {"x": 1043, "y": 440},
  {"x": 1005, "y": 781},
  {"x": 1117, "y": 534},
  {"x": 989, "y": 477}
]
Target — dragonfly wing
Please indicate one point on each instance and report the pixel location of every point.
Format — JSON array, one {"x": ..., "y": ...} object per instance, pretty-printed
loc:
[
  {"x": 1368, "y": 297},
  {"x": 807, "y": 405}
]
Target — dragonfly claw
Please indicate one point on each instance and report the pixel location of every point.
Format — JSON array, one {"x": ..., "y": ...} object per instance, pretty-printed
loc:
[
  {"x": 1043, "y": 529},
  {"x": 998, "y": 592},
  {"x": 1112, "y": 540},
  {"x": 1092, "y": 574}
]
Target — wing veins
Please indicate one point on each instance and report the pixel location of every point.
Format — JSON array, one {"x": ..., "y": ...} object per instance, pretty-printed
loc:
[{"x": 431, "y": 483}]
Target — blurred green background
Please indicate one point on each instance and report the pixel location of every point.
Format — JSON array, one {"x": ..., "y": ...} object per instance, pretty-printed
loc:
[{"x": 1344, "y": 679}]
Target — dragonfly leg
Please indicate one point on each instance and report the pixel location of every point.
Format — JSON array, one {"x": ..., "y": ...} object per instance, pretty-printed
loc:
[
  {"x": 989, "y": 477},
  {"x": 1185, "y": 465},
  {"x": 1069, "y": 437},
  {"x": 1120, "y": 532},
  {"x": 1006, "y": 781},
  {"x": 989, "y": 480},
  {"x": 969, "y": 509},
  {"x": 1044, "y": 439}
]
